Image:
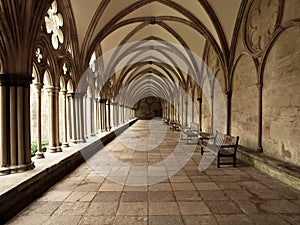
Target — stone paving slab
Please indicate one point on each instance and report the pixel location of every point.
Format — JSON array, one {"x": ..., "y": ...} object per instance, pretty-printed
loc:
[{"x": 217, "y": 196}]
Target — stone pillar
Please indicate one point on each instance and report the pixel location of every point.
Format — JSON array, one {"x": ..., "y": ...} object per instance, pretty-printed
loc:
[
  {"x": 200, "y": 113},
  {"x": 39, "y": 153},
  {"x": 97, "y": 115},
  {"x": 115, "y": 123},
  {"x": 103, "y": 114},
  {"x": 80, "y": 116},
  {"x": 229, "y": 97},
  {"x": 193, "y": 111},
  {"x": 182, "y": 111},
  {"x": 259, "y": 132},
  {"x": 85, "y": 116},
  {"x": 65, "y": 138},
  {"x": 54, "y": 145},
  {"x": 72, "y": 118},
  {"x": 212, "y": 113},
  {"x": 108, "y": 127},
  {"x": 15, "y": 152},
  {"x": 186, "y": 112},
  {"x": 92, "y": 117},
  {"x": 121, "y": 114}
]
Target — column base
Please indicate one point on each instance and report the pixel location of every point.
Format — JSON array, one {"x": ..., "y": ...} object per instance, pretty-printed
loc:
[
  {"x": 260, "y": 149},
  {"x": 93, "y": 135},
  {"x": 73, "y": 141},
  {"x": 39, "y": 155},
  {"x": 16, "y": 169},
  {"x": 65, "y": 145},
  {"x": 54, "y": 149}
]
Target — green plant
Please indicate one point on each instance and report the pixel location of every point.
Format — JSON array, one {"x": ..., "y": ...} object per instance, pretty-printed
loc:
[{"x": 45, "y": 144}]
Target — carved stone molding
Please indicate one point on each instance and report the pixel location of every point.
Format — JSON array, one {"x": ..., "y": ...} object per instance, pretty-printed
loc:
[{"x": 262, "y": 20}]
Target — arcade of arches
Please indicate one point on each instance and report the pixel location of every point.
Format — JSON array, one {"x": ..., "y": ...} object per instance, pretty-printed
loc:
[{"x": 72, "y": 69}]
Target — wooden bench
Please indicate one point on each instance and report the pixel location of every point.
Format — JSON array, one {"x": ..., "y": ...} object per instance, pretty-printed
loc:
[
  {"x": 175, "y": 125},
  {"x": 190, "y": 132},
  {"x": 223, "y": 145}
]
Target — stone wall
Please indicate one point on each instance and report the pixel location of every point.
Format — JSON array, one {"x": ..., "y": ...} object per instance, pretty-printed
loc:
[
  {"x": 266, "y": 30},
  {"x": 244, "y": 113},
  {"x": 281, "y": 98}
]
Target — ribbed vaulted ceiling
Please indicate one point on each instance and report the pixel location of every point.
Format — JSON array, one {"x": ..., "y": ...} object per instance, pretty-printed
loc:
[{"x": 154, "y": 40}]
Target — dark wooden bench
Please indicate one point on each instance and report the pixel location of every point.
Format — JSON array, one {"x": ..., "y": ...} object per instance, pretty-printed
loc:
[
  {"x": 190, "y": 132},
  {"x": 175, "y": 125},
  {"x": 223, "y": 145}
]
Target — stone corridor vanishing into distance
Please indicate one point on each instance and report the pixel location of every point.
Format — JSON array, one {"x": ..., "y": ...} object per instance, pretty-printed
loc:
[{"x": 227, "y": 195}]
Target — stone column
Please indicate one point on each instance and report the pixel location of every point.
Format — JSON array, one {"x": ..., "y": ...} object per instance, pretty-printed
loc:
[
  {"x": 39, "y": 153},
  {"x": 121, "y": 114},
  {"x": 193, "y": 111},
  {"x": 72, "y": 118},
  {"x": 15, "y": 152},
  {"x": 200, "y": 113},
  {"x": 186, "y": 112},
  {"x": 212, "y": 113},
  {"x": 229, "y": 97},
  {"x": 108, "y": 127},
  {"x": 182, "y": 111},
  {"x": 53, "y": 120},
  {"x": 92, "y": 101},
  {"x": 80, "y": 116},
  {"x": 97, "y": 115},
  {"x": 102, "y": 114},
  {"x": 65, "y": 138},
  {"x": 259, "y": 131},
  {"x": 85, "y": 116}
]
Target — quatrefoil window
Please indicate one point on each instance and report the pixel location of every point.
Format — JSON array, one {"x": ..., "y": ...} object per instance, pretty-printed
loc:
[
  {"x": 38, "y": 55},
  {"x": 54, "y": 22}
]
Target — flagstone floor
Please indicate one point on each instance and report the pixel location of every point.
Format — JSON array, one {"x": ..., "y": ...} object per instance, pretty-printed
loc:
[{"x": 141, "y": 188}]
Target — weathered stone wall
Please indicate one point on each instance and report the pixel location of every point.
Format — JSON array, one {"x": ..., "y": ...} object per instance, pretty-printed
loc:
[
  {"x": 244, "y": 111},
  {"x": 261, "y": 31},
  {"x": 281, "y": 98}
]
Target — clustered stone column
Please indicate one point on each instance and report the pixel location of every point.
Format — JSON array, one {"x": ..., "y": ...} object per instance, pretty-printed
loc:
[
  {"x": 92, "y": 103},
  {"x": 54, "y": 145},
  {"x": 65, "y": 138},
  {"x": 80, "y": 116},
  {"x": 200, "y": 113},
  {"x": 103, "y": 114},
  {"x": 39, "y": 153},
  {"x": 15, "y": 153},
  {"x": 72, "y": 118}
]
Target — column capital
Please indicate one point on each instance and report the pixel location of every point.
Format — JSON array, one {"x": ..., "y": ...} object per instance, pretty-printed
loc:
[
  {"x": 38, "y": 86},
  {"x": 228, "y": 93},
  {"x": 103, "y": 100},
  {"x": 52, "y": 89},
  {"x": 199, "y": 99},
  {"x": 259, "y": 86},
  {"x": 63, "y": 92},
  {"x": 115, "y": 103},
  {"x": 15, "y": 80},
  {"x": 71, "y": 94}
]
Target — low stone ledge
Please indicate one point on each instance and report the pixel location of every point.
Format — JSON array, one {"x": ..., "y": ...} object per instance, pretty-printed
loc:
[
  {"x": 283, "y": 171},
  {"x": 28, "y": 186}
]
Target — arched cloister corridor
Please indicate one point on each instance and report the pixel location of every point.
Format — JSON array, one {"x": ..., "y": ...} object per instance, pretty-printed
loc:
[
  {"x": 241, "y": 195},
  {"x": 74, "y": 75}
]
